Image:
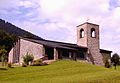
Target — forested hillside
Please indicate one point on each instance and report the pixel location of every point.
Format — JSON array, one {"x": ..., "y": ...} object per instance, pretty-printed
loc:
[{"x": 13, "y": 30}]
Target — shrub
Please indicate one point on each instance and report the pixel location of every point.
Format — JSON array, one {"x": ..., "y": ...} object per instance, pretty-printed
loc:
[
  {"x": 3, "y": 57},
  {"x": 28, "y": 58},
  {"x": 37, "y": 62},
  {"x": 107, "y": 64},
  {"x": 9, "y": 65},
  {"x": 24, "y": 65}
]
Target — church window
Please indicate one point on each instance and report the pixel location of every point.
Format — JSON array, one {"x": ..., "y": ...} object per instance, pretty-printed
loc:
[
  {"x": 93, "y": 34},
  {"x": 81, "y": 33}
]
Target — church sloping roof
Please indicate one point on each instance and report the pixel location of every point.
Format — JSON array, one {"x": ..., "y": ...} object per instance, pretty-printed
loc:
[
  {"x": 56, "y": 44},
  {"x": 87, "y": 23},
  {"x": 105, "y": 51}
]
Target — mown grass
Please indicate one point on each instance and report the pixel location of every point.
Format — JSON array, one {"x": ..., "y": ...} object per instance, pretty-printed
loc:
[{"x": 60, "y": 72}]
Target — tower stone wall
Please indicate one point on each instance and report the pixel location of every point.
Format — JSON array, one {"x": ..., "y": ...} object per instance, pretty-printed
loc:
[
  {"x": 82, "y": 41},
  {"x": 92, "y": 43}
]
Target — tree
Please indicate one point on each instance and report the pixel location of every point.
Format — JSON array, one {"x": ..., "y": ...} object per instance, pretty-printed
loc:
[
  {"x": 115, "y": 59},
  {"x": 6, "y": 41},
  {"x": 3, "y": 56}
]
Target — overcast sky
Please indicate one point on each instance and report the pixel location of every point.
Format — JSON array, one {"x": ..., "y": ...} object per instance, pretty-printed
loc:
[{"x": 57, "y": 19}]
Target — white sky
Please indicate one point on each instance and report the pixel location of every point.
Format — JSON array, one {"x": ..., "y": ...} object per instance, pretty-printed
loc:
[{"x": 57, "y": 19}]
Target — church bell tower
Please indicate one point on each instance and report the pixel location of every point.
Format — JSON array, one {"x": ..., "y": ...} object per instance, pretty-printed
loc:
[{"x": 88, "y": 36}]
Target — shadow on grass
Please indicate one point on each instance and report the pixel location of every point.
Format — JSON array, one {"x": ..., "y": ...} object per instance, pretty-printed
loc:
[{"x": 3, "y": 68}]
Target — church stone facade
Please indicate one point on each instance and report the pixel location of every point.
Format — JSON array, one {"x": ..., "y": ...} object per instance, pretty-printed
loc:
[
  {"x": 86, "y": 49},
  {"x": 21, "y": 47}
]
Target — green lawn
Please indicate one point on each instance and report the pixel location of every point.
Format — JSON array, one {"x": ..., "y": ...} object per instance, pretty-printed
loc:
[{"x": 60, "y": 72}]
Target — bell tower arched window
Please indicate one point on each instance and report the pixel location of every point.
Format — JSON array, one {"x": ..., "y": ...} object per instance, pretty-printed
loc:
[
  {"x": 93, "y": 33},
  {"x": 81, "y": 33}
]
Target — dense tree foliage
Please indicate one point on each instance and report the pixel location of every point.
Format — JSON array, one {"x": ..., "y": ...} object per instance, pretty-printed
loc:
[{"x": 6, "y": 41}]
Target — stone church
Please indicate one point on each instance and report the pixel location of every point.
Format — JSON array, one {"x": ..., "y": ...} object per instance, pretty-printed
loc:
[{"x": 87, "y": 48}]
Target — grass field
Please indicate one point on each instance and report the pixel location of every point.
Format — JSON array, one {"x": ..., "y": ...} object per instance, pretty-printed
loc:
[{"x": 60, "y": 72}]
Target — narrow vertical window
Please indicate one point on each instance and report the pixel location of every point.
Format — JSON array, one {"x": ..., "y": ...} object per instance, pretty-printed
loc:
[
  {"x": 81, "y": 33},
  {"x": 93, "y": 34}
]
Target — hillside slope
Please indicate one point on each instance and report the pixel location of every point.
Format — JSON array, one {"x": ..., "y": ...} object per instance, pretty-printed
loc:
[
  {"x": 12, "y": 29},
  {"x": 60, "y": 72}
]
